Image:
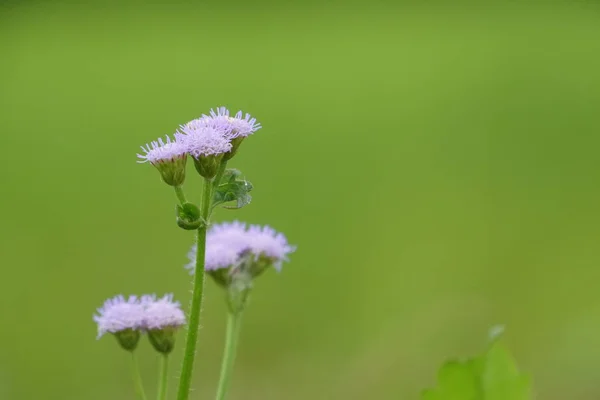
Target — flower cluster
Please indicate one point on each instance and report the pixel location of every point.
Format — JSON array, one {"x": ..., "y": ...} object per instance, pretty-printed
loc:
[
  {"x": 128, "y": 318},
  {"x": 208, "y": 140},
  {"x": 228, "y": 245},
  {"x": 233, "y": 254}
]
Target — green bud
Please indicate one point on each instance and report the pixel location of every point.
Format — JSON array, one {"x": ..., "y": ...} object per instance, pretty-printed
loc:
[
  {"x": 188, "y": 216},
  {"x": 128, "y": 338},
  {"x": 172, "y": 170},
  {"x": 207, "y": 166},
  {"x": 163, "y": 340},
  {"x": 235, "y": 145}
]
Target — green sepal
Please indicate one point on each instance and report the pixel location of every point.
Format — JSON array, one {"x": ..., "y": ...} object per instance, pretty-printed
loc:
[
  {"x": 163, "y": 340},
  {"x": 221, "y": 276},
  {"x": 172, "y": 171},
  {"x": 128, "y": 338},
  {"x": 188, "y": 216},
  {"x": 207, "y": 166},
  {"x": 259, "y": 265},
  {"x": 235, "y": 145},
  {"x": 232, "y": 189}
]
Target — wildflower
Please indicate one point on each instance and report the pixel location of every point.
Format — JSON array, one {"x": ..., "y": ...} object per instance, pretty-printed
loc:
[
  {"x": 169, "y": 157},
  {"x": 122, "y": 317},
  {"x": 205, "y": 144},
  {"x": 162, "y": 319},
  {"x": 234, "y": 246},
  {"x": 267, "y": 243},
  {"x": 235, "y": 128},
  {"x": 239, "y": 125}
]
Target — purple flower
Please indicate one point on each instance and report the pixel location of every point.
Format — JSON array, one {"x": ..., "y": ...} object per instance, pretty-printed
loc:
[
  {"x": 162, "y": 312},
  {"x": 169, "y": 157},
  {"x": 240, "y": 125},
  {"x": 120, "y": 314},
  {"x": 266, "y": 241},
  {"x": 160, "y": 151},
  {"x": 201, "y": 140},
  {"x": 228, "y": 243}
]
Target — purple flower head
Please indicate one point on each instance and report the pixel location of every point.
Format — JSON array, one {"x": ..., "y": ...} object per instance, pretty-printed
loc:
[
  {"x": 266, "y": 241},
  {"x": 201, "y": 140},
  {"x": 228, "y": 243},
  {"x": 224, "y": 243},
  {"x": 160, "y": 151},
  {"x": 120, "y": 314},
  {"x": 169, "y": 157},
  {"x": 162, "y": 312},
  {"x": 239, "y": 125}
]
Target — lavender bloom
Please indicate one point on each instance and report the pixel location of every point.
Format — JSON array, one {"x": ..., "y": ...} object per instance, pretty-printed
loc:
[
  {"x": 161, "y": 151},
  {"x": 162, "y": 313},
  {"x": 169, "y": 157},
  {"x": 233, "y": 127},
  {"x": 162, "y": 318},
  {"x": 119, "y": 314},
  {"x": 199, "y": 139},
  {"x": 228, "y": 244},
  {"x": 266, "y": 241},
  {"x": 224, "y": 244},
  {"x": 205, "y": 144}
]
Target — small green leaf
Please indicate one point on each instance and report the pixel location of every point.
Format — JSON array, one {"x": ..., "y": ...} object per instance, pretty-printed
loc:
[
  {"x": 492, "y": 376},
  {"x": 188, "y": 216},
  {"x": 456, "y": 381},
  {"x": 232, "y": 189},
  {"x": 501, "y": 379}
]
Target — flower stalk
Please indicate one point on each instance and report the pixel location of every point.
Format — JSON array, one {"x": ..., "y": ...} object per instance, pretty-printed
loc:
[
  {"x": 198, "y": 292},
  {"x": 180, "y": 194},
  {"x": 234, "y": 323},
  {"x": 137, "y": 378},
  {"x": 163, "y": 377}
]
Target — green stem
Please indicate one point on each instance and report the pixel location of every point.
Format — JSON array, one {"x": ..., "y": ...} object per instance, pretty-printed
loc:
[
  {"x": 196, "y": 306},
  {"x": 137, "y": 378},
  {"x": 180, "y": 194},
  {"x": 234, "y": 322},
  {"x": 220, "y": 173},
  {"x": 163, "y": 377}
]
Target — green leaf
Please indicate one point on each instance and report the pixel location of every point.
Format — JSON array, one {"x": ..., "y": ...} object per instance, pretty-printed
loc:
[
  {"x": 491, "y": 376},
  {"x": 456, "y": 381},
  {"x": 232, "y": 188},
  {"x": 501, "y": 379}
]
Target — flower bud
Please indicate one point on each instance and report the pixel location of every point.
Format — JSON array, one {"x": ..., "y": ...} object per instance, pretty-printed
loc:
[
  {"x": 237, "y": 254},
  {"x": 124, "y": 318},
  {"x": 128, "y": 338},
  {"x": 169, "y": 157},
  {"x": 207, "y": 166},
  {"x": 235, "y": 128},
  {"x": 163, "y": 318},
  {"x": 163, "y": 340},
  {"x": 205, "y": 144}
]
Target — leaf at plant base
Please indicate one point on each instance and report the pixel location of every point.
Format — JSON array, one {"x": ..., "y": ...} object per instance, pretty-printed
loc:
[
  {"x": 232, "y": 188},
  {"x": 501, "y": 379},
  {"x": 492, "y": 376},
  {"x": 456, "y": 381}
]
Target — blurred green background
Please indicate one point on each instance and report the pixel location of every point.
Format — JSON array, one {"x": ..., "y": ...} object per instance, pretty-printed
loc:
[{"x": 436, "y": 165}]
